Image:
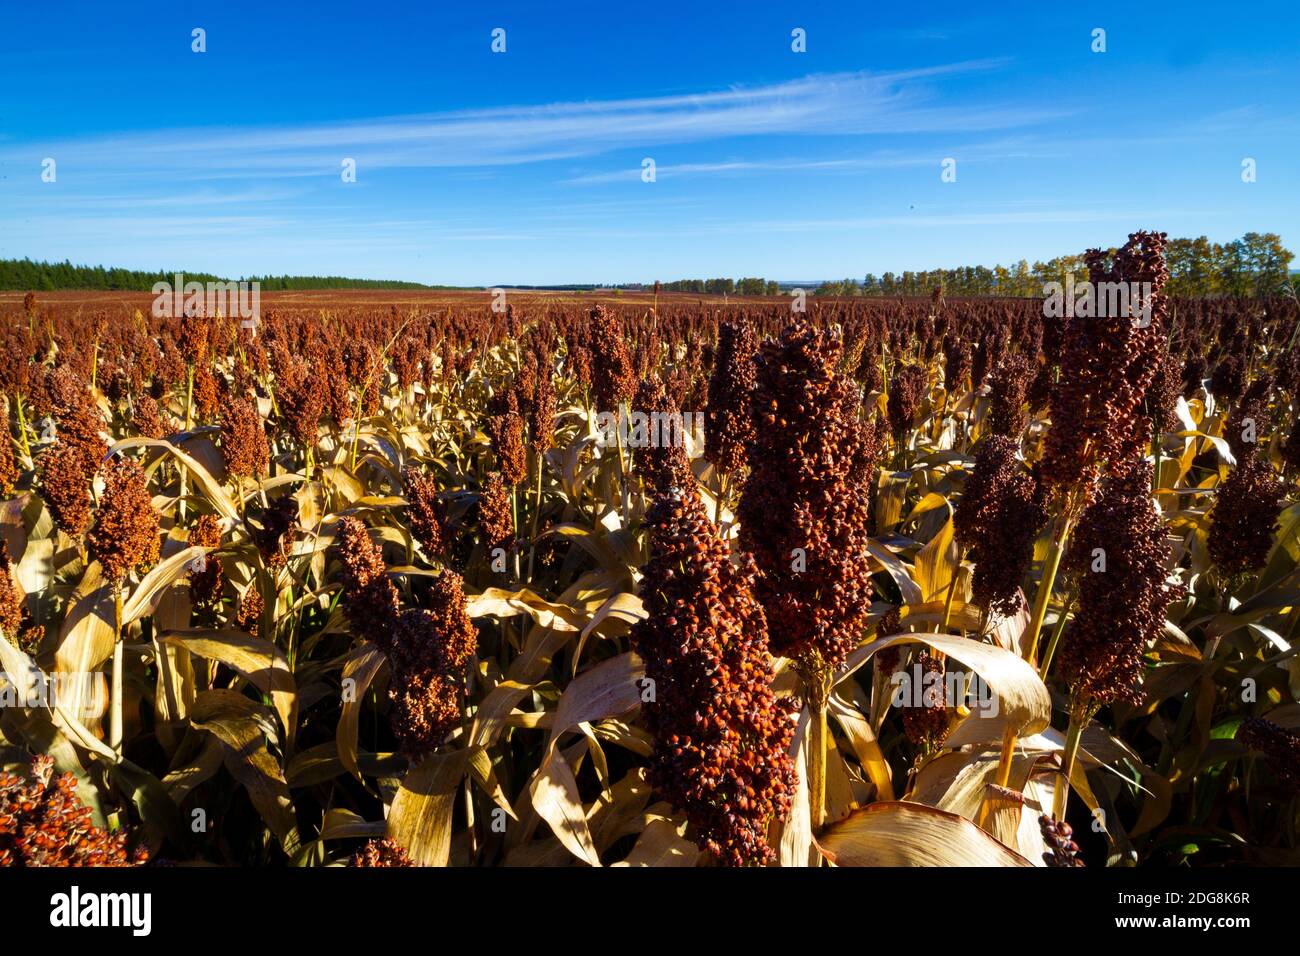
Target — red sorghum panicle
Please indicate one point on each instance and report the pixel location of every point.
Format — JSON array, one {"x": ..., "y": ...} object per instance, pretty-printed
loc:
[
  {"x": 427, "y": 648},
  {"x": 729, "y": 423},
  {"x": 721, "y": 736},
  {"x": 65, "y": 486},
  {"x": 1121, "y": 609},
  {"x": 985, "y": 355},
  {"x": 243, "y": 440},
  {"x": 496, "y": 524},
  {"x": 577, "y": 360},
  {"x": 1279, "y": 745},
  {"x": 147, "y": 420},
  {"x": 1007, "y": 389},
  {"x": 524, "y": 388},
  {"x": 506, "y": 429},
  {"x": 890, "y": 623},
  {"x": 207, "y": 394},
  {"x": 69, "y": 467},
  {"x": 301, "y": 397},
  {"x": 11, "y": 602},
  {"x": 125, "y": 535},
  {"x": 382, "y": 853},
  {"x": 338, "y": 395},
  {"x": 1193, "y": 374},
  {"x": 426, "y": 514},
  {"x": 956, "y": 362},
  {"x": 206, "y": 579},
  {"x": 277, "y": 531},
  {"x": 1250, "y": 422},
  {"x": 998, "y": 517},
  {"x": 906, "y": 390},
  {"x": 8, "y": 460},
  {"x": 612, "y": 371},
  {"x": 661, "y": 459},
  {"x": 1228, "y": 380},
  {"x": 1107, "y": 364},
  {"x": 370, "y": 600},
  {"x": 250, "y": 610},
  {"x": 1291, "y": 450},
  {"x": 1161, "y": 400},
  {"x": 805, "y": 511},
  {"x": 541, "y": 403},
  {"x": 47, "y": 825},
  {"x": 926, "y": 723},
  {"x": 1059, "y": 837},
  {"x": 195, "y": 331},
  {"x": 428, "y": 652},
  {"x": 1244, "y": 517}
]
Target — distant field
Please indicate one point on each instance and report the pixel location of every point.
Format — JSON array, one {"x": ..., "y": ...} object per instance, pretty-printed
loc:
[{"x": 365, "y": 298}]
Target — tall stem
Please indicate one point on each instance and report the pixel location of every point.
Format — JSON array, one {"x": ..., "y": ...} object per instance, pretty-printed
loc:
[
  {"x": 356, "y": 429},
  {"x": 1155, "y": 454},
  {"x": 1004, "y": 768},
  {"x": 1044, "y": 594},
  {"x": 189, "y": 411},
  {"x": 514, "y": 514},
  {"x": 537, "y": 513},
  {"x": 817, "y": 765},
  {"x": 1077, "y": 719},
  {"x": 722, "y": 497},
  {"x": 115, "y": 730},
  {"x": 1041, "y": 600},
  {"x": 817, "y": 679},
  {"x": 622, "y": 470},
  {"x": 22, "y": 426},
  {"x": 1057, "y": 631},
  {"x": 952, "y": 591}
]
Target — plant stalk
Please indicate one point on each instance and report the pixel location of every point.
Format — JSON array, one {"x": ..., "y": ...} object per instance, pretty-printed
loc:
[
  {"x": 1044, "y": 594},
  {"x": 817, "y": 766},
  {"x": 537, "y": 513},
  {"x": 1041, "y": 600},
  {"x": 1072, "y": 737},
  {"x": 1056, "y": 637},
  {"x": 22, "y": 426},
  {"x": 115, "y": 728}
]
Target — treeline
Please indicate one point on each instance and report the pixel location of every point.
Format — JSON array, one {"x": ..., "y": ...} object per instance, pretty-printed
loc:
[
  {"x": 1255, "y": 264},
  {"x": 25, "y": 275},
  {"x": 300, "y": 283},
  {"x": 747, "y": 286}
]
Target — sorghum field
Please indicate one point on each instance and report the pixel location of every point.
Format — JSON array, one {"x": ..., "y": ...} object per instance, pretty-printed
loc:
[{"x": 367, "y": 583}]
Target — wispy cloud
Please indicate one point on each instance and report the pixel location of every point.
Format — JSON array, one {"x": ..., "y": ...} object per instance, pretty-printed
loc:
[
  {"x": 829, "y": 104},
  {"x": 878, "y": 159}
]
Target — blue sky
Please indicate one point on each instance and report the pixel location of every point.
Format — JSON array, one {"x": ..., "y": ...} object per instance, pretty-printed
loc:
[{"x": 525, "y": 166}]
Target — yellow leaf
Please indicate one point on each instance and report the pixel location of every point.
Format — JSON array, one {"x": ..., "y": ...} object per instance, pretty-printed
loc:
[
  {"x": 361, "y": 668},
  {"x": 912, "y": 834},
  {"x": 238, "y": 723},
  {"x": 554, "y": 793},
  {"x": 936, "y": 563},
  {"x": 662, "y": 843},
  {"x": 609, "y": 689},
  {"x": 1022, "y": 698},
  {"x": 420, "y": 817},
  {"x": 260, "y": 662}
]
